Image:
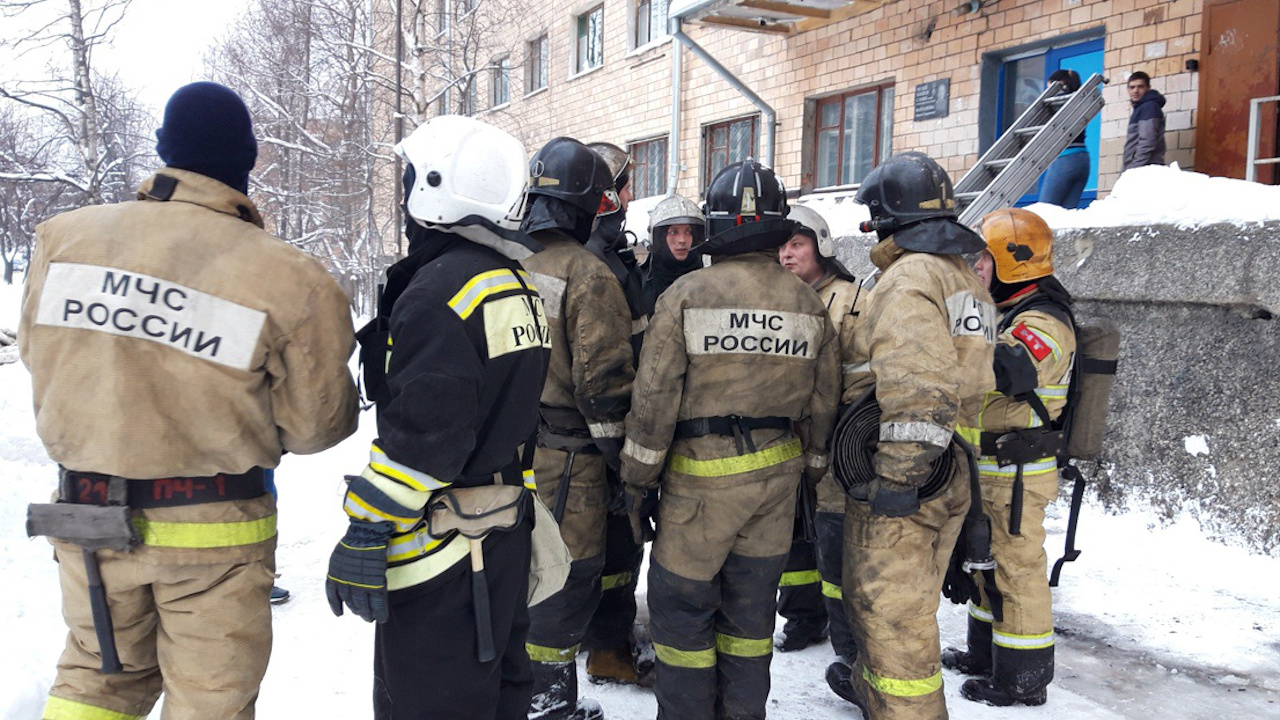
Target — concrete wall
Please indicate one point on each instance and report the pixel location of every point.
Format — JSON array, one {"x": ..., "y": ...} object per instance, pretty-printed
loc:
[{"x": 1199, "y": 358}]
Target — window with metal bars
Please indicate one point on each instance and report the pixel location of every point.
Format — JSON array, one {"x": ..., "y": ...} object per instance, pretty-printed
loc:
[
  {"x": 729, "y": 142},
  {"x": 649, "y": 169}
]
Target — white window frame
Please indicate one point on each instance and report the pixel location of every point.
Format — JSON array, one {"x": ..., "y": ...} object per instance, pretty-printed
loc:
[
  {"x": 541, "y": 68},
  {"x": 576, "y": 62},
  {"x": 500, "y": 76},
  {"x": 633, "y": 25}
]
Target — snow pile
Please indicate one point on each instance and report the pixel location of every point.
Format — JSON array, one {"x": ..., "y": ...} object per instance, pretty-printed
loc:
[
  {"x": 1153, "y": 195},
  {"x": 1160, "y": 195}
]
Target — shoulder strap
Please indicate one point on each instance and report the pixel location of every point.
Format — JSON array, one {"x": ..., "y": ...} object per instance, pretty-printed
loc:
[{"x": 1062, "y": 312}]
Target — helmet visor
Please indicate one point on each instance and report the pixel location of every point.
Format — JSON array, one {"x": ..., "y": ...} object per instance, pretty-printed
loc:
[{"x": 609, "y": 203}]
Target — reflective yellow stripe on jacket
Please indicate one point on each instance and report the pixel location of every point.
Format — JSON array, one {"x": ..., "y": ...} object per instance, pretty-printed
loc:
[{"x": 736, "y": 464}]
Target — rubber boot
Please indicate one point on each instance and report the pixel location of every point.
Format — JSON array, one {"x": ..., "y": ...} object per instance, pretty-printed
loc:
[
  {"x": 985, "y": 690},
  {"x": 798, "y": 636},
  {"x": 557, "y": 694},
  {"x": 977, "y": 659},
  {"x": 840, "y": 680}
]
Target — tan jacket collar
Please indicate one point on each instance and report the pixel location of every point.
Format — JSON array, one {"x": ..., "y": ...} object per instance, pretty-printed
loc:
[
  {"x": 200, "y": 190},
  {"x": 885, "y": 253}
]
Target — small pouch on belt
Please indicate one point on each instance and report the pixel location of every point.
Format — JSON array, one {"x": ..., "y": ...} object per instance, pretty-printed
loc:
[
  {"x": 476, "y": 511},
  {"x": 93, "y": 515}
]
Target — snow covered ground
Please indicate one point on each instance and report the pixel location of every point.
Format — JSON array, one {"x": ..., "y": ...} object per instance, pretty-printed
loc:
[{"x": 1154, "y": 620}]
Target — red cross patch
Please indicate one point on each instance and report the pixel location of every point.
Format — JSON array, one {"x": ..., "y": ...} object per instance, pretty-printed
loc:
[{"x": 1038, "y": 348}]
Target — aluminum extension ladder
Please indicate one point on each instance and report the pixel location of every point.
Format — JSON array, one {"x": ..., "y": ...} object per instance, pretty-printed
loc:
[{"x": 1010, "y": 167}]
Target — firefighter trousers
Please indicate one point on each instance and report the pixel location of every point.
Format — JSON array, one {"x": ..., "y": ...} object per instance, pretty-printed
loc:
[
  {"x": 721, "y": 547},
  {"x": 200, "y": 632},
  {"x": 893, "y": 571},
  {"x": 425, "y": 664},
  {"x": 611, "y": 625},
  {"x": 800, "y": 591},
  {"x": 1020, "y": 645},
  {"x": 830, "y": 547},
  {"x": 559, "y": 623}
]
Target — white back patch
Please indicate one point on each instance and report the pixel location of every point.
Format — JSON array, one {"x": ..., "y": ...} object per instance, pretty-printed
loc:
[
  {"x": 131, "y": 304},
  {"x": 515, "y": 323},
  {"x": 971, "y": 316},
  {"x": 552, "y": 291},
  {"x": 751, "y": 331}
]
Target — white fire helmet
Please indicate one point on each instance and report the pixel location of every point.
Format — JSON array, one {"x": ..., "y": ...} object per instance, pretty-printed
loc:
[
  {"x": 675, "y": 210},
  {"x": 813, "y": 222},
  {"x": 464, "y": 167}
]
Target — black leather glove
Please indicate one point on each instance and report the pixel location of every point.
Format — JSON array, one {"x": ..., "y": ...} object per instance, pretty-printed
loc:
[
  {"x": 957, "y": 585},
  {"x": 611, "y": 449},
  {"x": 892, "y": 499},
  {"x": 642, "y": 508},
  {"x": 358, "y": 571},
  {"x": 617, "y": 504}
]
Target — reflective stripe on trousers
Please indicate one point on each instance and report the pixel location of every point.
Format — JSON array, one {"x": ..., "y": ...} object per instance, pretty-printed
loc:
[{"x": 56, "y": 708}]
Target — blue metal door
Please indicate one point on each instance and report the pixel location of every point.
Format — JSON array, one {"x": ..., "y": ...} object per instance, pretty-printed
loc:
[{"x": 1022, "y": 79}]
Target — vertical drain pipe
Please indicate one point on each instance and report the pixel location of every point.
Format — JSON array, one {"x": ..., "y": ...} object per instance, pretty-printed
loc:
[
  {"x": 677, "y": 92},
  {"x": 768, "y": 116}
]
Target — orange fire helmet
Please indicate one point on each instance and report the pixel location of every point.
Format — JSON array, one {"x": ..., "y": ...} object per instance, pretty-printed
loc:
[{"x": 1021, "y": 244}]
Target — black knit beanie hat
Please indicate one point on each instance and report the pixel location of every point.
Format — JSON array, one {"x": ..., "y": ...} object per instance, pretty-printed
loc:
[{"x": 207, "y": 130}]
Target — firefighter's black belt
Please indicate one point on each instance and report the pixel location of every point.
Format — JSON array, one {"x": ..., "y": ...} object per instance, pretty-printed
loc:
[
  {"x": 1019, "y": 447},
  {"x": 853, "y": 447},
  {"x": 87, "y": 488},
  {"x": 556, "y": 439},
  {"x": 729, "y": 425}
]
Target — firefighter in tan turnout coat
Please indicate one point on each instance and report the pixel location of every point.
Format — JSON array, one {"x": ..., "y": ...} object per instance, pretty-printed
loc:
[
  {"x": 810, "y": 593},
  {"x": 928, "y": 340},
  {"x": 735, "y": 397},
  {"x": 584, "y": 403},
  {"x": 176, "y": 350},
  {"x": 1037, "y": 345}
]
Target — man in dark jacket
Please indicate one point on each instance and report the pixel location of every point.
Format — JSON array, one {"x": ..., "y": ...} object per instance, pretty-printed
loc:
[
  {"x": 1144, "y": 143},
  {"x": 465, "y": 349}
]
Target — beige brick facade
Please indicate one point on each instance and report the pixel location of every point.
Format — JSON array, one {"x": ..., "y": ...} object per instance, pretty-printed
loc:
[{"x": 902, "y": 43}]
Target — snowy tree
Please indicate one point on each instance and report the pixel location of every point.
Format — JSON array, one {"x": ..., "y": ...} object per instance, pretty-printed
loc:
[
  {"x": 29, "y": 193},
  {"x": 76, "y": 104},
  {"x": 304, "y": 69}
]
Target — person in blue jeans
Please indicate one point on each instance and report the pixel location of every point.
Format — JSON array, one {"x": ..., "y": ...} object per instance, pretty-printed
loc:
[
  {"x": 278, "y": 594},
  {"x": 1063, "y": 183}
]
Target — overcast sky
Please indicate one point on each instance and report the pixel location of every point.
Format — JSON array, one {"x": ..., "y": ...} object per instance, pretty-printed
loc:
[
  {"x": 160, "y": 45},
  {"x": 157, "y": 48}
]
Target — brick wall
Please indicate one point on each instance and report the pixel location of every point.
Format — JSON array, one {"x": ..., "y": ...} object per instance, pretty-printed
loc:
[{"x": 629, "y": 97}]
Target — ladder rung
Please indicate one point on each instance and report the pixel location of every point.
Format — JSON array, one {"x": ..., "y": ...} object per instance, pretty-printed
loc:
[
  {"x": 1030, "y": 130},
  {"x": 997, "y": 164},
  {"x": 1059, "y": 99},
  {"x": 968, "y": 196}
]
